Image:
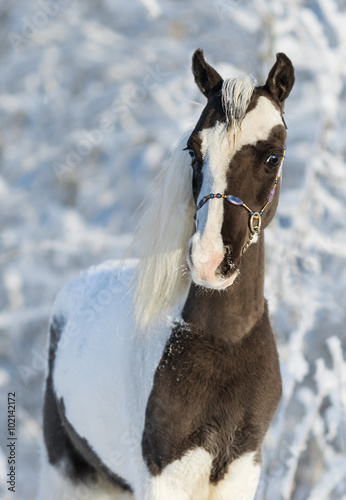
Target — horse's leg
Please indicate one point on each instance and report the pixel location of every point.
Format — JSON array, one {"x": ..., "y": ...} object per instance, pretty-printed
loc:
[
  {"x": 240, "y": 481},
  {"x": 184, "y": 479}
]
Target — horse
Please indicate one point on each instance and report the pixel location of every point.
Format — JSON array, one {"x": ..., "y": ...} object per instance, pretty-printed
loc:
[{"x": 163, "y": 373}]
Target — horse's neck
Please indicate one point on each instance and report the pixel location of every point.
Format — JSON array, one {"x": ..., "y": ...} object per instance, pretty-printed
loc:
[{"x": 232, "y": 313}]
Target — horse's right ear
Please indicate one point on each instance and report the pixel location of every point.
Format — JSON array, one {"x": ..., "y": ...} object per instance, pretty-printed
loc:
[
  {"x": 206, "y": 77},
  {"x": 281, "y": 78}
]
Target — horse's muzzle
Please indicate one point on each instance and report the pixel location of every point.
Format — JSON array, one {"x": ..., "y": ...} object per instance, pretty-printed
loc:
[{"x": 211, "y": 267}]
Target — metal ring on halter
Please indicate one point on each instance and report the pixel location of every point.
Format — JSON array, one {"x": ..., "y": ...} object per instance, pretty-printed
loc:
[{"x": 255, "y": 229}]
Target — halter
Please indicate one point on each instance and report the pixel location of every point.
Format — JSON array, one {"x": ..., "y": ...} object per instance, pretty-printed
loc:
[{"x": 255, "y": 218}]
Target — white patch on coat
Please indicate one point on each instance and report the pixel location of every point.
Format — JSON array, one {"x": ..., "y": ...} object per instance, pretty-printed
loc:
[
  {"x": 258, "y": 123},
  {"x": 184, "y": 479},
  {"x": 104, "y": 367},
  {"x": 240, "y": 482},
  {"x": 219, "y": 146}
]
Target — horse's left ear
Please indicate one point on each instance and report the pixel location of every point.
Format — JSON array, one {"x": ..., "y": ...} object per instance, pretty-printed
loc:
[
  {"x": 206, "y": 77},
  {"x": 281, "y": 78}
]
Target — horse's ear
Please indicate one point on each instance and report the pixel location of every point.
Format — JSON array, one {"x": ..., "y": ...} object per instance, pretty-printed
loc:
[
  {"x": 206, "y": 77},
  {"x": 281, "y": 78}
]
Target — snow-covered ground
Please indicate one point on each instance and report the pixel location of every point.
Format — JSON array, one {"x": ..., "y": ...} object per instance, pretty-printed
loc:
[{"x": 93, "y": 94}]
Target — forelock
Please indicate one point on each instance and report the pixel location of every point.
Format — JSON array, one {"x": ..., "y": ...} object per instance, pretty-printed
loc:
[{"x": 236, "y": 96}]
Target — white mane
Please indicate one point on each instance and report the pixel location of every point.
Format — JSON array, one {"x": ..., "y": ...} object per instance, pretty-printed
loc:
[
  {"x": 236, "y": 95},
  {"x": 162, "y": 238}
]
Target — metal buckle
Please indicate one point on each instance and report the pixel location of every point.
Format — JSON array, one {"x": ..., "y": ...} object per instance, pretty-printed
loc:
[{"x": 255, "y": 228}]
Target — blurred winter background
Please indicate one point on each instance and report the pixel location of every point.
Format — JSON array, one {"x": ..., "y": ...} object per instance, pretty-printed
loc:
[{"x": 93, "y": 94}]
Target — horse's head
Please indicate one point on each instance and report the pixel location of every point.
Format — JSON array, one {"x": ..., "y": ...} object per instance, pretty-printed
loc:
[{"x": 237, "y": 150}]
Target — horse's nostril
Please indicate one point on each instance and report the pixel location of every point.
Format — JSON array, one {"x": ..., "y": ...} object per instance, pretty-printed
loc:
[
  {"x": 226, "y": 267},
  {"x": 228, "y": 253}
]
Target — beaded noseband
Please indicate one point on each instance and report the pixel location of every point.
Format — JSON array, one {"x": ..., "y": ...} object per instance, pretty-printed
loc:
[{"x": 255, "y": 218}]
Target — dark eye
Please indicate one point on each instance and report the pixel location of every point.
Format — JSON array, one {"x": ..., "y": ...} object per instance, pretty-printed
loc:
[
  {"x": 192, "y": 154},
  {"x": 273, "y": 160}
]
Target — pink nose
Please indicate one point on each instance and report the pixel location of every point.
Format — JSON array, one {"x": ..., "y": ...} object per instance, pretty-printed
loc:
[{"x": 207, "y": 270}]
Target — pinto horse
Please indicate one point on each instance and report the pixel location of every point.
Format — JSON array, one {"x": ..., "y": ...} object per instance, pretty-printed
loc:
[{"x": 163, "y": 373}]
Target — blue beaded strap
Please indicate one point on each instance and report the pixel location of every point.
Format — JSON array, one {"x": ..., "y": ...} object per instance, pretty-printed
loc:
[
  {"x": 234, "y": 200},
  {"x": 231, "y": 199}
]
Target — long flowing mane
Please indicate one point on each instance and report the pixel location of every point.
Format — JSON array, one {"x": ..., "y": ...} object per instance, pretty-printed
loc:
[
  {"x": 167, "y": 223},
  {"x": 162, "y": 237}
]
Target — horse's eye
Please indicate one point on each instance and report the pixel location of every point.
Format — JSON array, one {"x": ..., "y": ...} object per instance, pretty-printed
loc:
[
  {"x": 192, "y": 154},
  {"x": 273, "y": 160}
]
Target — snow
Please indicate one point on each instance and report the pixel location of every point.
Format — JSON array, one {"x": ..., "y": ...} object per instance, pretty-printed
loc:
[{"x": 93, "y": 95}]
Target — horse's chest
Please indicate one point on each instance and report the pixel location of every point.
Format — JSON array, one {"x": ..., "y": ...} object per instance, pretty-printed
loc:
[{"x": 197, "y": 400}]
